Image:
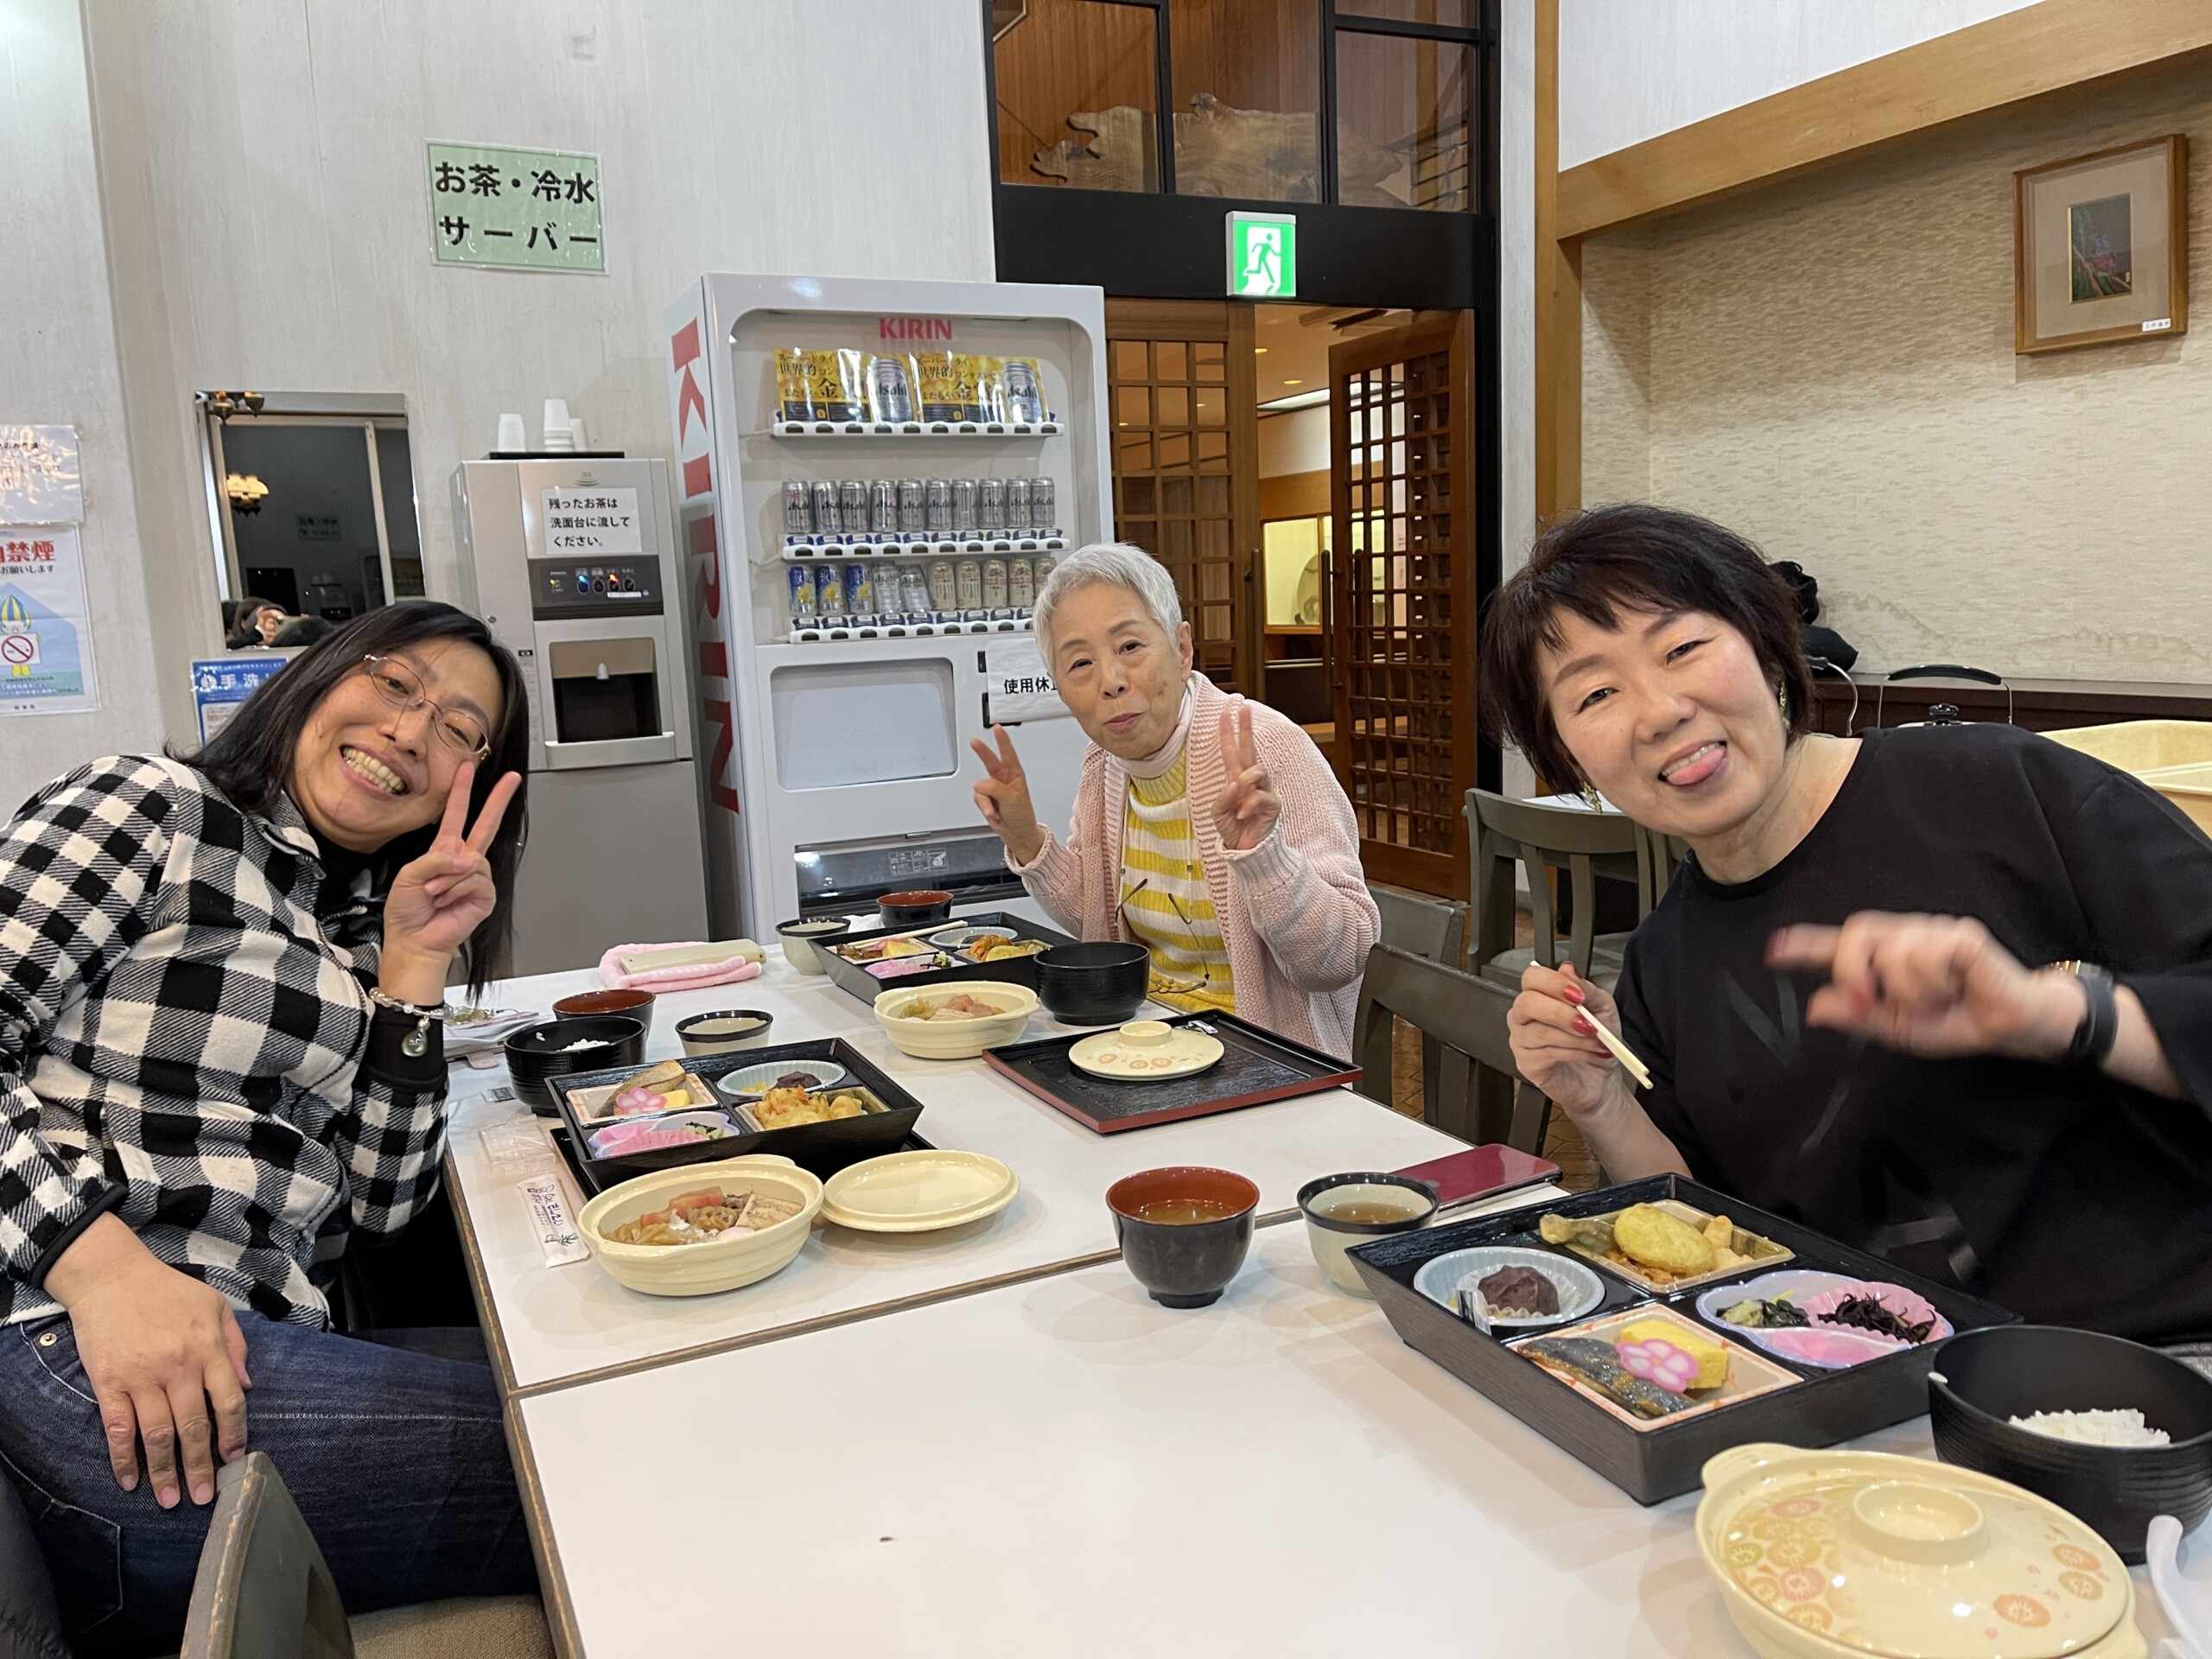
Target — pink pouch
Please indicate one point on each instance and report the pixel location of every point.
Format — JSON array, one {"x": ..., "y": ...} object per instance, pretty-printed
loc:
[{"x": 690, "y": 977}]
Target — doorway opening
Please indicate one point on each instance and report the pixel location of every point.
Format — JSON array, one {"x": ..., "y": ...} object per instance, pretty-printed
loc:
[{"x": 311, "y": 503}]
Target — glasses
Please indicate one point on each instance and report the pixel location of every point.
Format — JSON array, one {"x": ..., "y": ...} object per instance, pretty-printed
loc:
[
  {"x": 402, "y": 687},
  {"x": 1163, "y": 981}
]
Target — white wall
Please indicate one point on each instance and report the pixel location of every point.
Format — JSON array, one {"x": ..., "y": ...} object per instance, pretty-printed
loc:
[
  {"x": 261, "y": 166},
  {"x": 58, "y": 364},
  {"x": 1630, "y": 70},
  {"x": 1296, "y": 441}
]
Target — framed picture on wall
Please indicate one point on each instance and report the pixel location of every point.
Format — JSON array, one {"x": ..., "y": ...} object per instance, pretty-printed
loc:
[{"x": 2100, "y": 247}]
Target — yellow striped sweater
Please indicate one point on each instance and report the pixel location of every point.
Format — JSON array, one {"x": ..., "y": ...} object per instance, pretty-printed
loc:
[{"x": 1166, "y": 903}]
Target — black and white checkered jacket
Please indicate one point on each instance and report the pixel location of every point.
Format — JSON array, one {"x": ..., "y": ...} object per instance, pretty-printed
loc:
[{"x": 186, "y": 1039}]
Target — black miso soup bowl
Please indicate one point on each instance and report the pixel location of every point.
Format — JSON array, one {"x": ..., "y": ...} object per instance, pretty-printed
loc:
[
  {"x": 1983, "y": 1378},
  {"x": 541, "y": 1053},
  {"x": 1183, "y": 1263},
  {"x": 1099, "y": 983}
]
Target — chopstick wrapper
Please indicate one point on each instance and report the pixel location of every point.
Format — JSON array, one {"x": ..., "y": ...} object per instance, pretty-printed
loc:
[
  {"x": 698, "y": 966},
  {"x": 558, "y": 1235}
]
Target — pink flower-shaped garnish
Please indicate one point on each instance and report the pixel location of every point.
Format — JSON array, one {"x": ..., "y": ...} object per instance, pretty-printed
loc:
[
  {"x": 1657, "y": 1361},
  {"x": 636, "y": 1099}
]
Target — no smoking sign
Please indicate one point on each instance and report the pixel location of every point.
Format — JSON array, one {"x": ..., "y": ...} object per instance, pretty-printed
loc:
[{"x": 18, "y": 650}]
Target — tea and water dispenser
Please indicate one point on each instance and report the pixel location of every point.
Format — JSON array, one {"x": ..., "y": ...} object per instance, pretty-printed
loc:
[{"x": 572, "y": 563}]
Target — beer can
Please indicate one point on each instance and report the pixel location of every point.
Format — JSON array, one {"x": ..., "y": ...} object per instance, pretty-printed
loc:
[
  {"x": 1044, "y": 568},
  {"x": 913, "y": 508},
  {"x": 914, "y": 590},
  {"x": 828, "y": 520},
  {"x": 802, "y": 593},
  {"x": 829, "y": 589},
  {"x": 969, "y": 585},
  {"x": 990, "y": 505},
  {"x": 964, "y": 507},
  {"x": 799, "y": 508},
  {"x": 1018, "y": 517},
  {"x": 1043, "y": 512},
  {"x": 994, "y": 584},
  {"x": 883, "y": 508},
  {"x": 1020, "y": 584},
  {"x": 937, "y": 507},
  {"x": 859, "y": 591},
  {"x": 944, "y": 588},
  {"x": 852, "y": 506}
]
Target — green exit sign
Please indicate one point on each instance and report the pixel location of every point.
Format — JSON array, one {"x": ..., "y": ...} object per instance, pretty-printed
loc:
[{"x": 1263, "y": 256}]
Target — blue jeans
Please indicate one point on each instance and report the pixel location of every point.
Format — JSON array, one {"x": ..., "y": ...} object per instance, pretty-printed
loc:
[{"x": 397, "y": 1461}]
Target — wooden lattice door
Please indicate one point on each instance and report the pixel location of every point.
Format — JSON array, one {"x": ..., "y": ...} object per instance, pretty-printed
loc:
[
  {"x": 1400, "y": 622},
  {"x": 1186, "y": 465}
]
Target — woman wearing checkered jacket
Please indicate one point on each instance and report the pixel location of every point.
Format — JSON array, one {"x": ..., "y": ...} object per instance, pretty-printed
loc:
[{"x": 220, "y": 1057}]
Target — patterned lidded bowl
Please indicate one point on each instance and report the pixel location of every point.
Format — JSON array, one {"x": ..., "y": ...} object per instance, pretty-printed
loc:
[{"x": 1831, "y": 1554}]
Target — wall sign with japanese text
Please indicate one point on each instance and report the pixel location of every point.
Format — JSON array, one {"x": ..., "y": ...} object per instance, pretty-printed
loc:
[
  {"x": 220, "y": 685},
  {"x": 45, "y": 627},
  {"x": 1017, "y": 686},
  {"x": 591, "y": 521},
  {"x": 40, "y": 482},
  {"x": 518, "y": 209}
]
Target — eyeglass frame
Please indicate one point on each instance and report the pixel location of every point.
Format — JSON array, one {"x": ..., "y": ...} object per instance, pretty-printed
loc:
[{"x": 423, "y": 700}]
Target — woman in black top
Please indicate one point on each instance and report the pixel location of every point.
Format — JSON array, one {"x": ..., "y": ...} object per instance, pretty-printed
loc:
[
  {"x": 1943, "y": 993},
  {"x": 220, "y": 1057}
]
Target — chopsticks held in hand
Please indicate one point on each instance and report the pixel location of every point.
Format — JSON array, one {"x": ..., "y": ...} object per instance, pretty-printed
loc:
[{"x": 1622, "y": 1051}]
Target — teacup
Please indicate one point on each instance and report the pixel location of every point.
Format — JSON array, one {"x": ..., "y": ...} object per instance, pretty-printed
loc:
[
  {"x": 1341, "y": 1210},
  {"x": 723, "y": 1030},
  {"x": 1183, "y": 1230}
]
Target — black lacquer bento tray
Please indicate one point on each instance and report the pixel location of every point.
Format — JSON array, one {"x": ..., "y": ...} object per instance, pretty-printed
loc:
[
  {"x": 1819, "y": 1407},
  {"x": 854, "y": 978},
  {"x": 821, "y": 1148},
  {"x": 1257, "y": 1066}
]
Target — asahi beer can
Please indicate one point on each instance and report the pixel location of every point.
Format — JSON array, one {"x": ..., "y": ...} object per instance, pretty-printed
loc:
[
  {"x": 802, "y": 593},
  {"x": 1018, "y": 505},
  {"x": 913, "y": 507},
  {"x": 1043, "y": 572},
  {"x": 994, "y": 584},
  {"x": 799, "y": 508},
  {"x": 914, "y": 590},
  {"x": 937, "y": 507},
  {"x": 970, "y": 585},
  {"x": 828, "y": 520},
  {"x": 1020, "y": 584},
  {"x": 944, "y": 586},
  {"x": 889, "y": 395},
  {"x": 883, "y": 508},
  {"x": 859, "y": 591},
  {"x": 964, "y": 522},
  {"x": 990, "y": 505},
  {"x": 829, "y": 589},
  {"x": 852, "y": 506},
  {"x": 1043, "y": 511}
]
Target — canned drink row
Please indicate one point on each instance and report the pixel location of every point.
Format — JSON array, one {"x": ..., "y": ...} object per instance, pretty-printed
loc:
[
  {"x": 919, "y": 590},
  {"x": 889, "y": 508}
]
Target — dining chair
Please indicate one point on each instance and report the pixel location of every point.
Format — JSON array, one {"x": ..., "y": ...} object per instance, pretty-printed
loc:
[
  {"x": 1509, "y": 838},
  {"x": 264, "y": 1591},
  {"x": 1427, "y": 927},
  {"x": 1465, "y": 1015}
]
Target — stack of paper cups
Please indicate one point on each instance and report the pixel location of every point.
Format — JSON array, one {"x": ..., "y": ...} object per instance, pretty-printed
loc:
[
  {"x": 577, "y": 432},
  {"x": 511, "y": 442},
  {"x": 558, "y": 435}
]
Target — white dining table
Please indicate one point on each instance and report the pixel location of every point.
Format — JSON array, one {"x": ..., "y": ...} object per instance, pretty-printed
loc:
[
  {"x": 1064, "y": 1467},
  {"x": 552, "y": 1326}
]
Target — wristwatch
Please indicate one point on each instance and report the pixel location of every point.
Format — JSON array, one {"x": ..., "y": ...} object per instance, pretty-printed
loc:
[{"x": 2092, "y": 1037}]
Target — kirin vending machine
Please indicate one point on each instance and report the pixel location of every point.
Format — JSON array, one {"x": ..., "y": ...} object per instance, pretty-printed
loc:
[{"x": 874, "y": 477}]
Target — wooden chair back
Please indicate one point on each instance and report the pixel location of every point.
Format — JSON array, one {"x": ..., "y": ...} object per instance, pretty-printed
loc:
[
  {"x": 264, "y": 1590},
  {"x": 1505, "y": 833},
  {"x": 1465, "y": 1016}
]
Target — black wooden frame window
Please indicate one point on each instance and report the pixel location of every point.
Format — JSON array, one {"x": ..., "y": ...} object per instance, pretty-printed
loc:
[{"x": 1333, "y": 26}]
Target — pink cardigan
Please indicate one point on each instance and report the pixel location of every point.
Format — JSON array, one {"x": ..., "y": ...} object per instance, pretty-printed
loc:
[{"x": 1300, "y": 921}]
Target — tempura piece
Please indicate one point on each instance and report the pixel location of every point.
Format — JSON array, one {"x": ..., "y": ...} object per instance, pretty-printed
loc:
[
  {"x": 1649, "y": 1235},
  {"x": 1594, "y": 1234}
]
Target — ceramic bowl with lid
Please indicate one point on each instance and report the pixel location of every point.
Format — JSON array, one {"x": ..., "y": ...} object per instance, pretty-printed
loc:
[{"x": 1831, "y": 1555}]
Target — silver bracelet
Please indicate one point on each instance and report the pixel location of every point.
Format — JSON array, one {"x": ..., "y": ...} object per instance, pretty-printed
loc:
[{"x": 417, "y": 1043}]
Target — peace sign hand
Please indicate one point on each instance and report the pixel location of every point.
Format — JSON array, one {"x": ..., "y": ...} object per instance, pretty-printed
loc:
[
  {"x": 1002, "y": 797},
  {"x": 438, "y": 900},
  {"x": 1248, "y": 809}
]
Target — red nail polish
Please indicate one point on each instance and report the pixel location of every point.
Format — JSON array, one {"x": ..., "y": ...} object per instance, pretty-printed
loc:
[
  {"x": 1575, "y": 996},
  {"x": 1582, "y": 1024}
]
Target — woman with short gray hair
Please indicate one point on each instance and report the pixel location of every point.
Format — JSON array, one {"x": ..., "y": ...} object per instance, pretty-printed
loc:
[{"x": 1251, "y": 901}]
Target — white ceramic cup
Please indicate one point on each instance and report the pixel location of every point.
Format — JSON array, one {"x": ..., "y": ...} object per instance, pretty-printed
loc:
[
  {"x": 1331, "y": 1236},
  {"x": 512, "y": 440}
]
